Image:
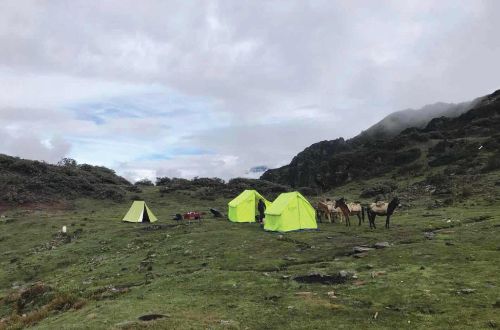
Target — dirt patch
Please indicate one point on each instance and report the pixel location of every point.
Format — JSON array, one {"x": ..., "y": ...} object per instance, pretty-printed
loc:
[
  {"x": 340, "y": 278},
  {"x": 151, "y": 317}
]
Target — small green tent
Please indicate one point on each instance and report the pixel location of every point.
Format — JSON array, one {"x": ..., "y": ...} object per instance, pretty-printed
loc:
[
  {"x": 244, "y": 207},
  {"x": 139, "y": 212},
  {"x": 290, "y": 211}
]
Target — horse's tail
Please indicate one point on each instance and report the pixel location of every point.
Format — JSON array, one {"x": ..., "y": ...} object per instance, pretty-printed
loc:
[{"x": 363, "y": 212}]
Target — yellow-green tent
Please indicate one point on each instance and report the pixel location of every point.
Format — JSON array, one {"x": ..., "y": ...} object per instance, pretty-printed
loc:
[
  {"x": 139, "y": 212},
  {"x": 244, "y": 207},
  {"x": 290, "y": 211}
]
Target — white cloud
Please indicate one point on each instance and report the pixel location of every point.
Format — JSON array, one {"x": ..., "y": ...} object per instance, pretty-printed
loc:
[{"x": 215, "y": 75}]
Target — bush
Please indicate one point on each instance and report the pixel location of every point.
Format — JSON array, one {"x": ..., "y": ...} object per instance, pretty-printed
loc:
[{"x": 144, "y": 182}]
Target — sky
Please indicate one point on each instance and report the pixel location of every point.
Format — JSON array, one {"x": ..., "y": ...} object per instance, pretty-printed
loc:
[{"x": 214, "y": 88}]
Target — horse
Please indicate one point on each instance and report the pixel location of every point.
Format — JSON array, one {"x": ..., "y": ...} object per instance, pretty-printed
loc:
[
  {"x": 382, "y": 208},
  {"x": 323, "y": 210},
  {"x": 350, "y": 209},
  {"x": 327, "y": 209}
]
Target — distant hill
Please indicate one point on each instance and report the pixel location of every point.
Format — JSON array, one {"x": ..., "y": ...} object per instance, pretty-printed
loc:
[
  {"x": 442, "y": 141},
  {"x": 398, "y": 121},
  {"x": 25, "y": 181}
]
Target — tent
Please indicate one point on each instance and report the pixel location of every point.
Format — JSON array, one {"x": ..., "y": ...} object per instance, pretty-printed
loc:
[
  {"x": 244, "y": 207},
  {"x": 139, "y": 212},
  {"x": 290, "y": 211}
]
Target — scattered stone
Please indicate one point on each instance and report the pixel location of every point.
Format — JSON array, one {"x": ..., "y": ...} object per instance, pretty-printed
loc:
[
  {"x": 290, "y": 258},
  {"x": 361, "y": 249},
  {"x": 375, "y": 315},
  {"x": 305, "y": 294},
  {"x": 285, "y": 277},
  {"x": 281, "y": 237},
  {"x": 331, "y": 295},
  {"x": 329, "y": 237},
  {"x": 382, "y": 245},
  {"x": 429, "y": 235},
  {"x": 265, "y": 274},
  {"x": 379, "y": 273},
  {"x": 226, "y": 322},
  {"x": 290, "y": 307},
  {"x": 359, "y": 283},
  {"x": 127, "y": 325},
  {"x": 466, "y": 291}
]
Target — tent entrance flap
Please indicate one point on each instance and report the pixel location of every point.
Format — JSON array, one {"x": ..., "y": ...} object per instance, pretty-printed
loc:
[{"x": 145, "y": 215}]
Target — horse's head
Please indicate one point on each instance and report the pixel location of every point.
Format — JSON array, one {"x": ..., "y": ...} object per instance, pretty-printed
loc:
[
  {"x": 339, "y": 202},
  {"x": 395, "y": 202}
]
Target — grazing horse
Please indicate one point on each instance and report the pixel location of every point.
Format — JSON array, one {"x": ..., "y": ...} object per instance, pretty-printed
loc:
[
  {"x": 327, "y": 209},
  {"x": 350, "y": 209},
  {"x": 382, "y": 208}
]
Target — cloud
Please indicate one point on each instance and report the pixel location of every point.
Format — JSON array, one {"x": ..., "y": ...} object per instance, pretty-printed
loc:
[{"x": 240, "y": 83}]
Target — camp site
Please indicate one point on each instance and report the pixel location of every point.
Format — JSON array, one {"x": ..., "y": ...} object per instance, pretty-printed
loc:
[{"x": 249, "y": 165}]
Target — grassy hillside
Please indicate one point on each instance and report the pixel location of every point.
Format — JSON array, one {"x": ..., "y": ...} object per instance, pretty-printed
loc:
[
  {"x": 454, "y": 142},
  {"x": 440, "y": 269},
  {"x": 25, "y": 181}
]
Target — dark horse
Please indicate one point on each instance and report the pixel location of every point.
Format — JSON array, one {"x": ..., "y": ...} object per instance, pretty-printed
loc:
[
  {"x": 350, "y": 209},
  {"x": 382, "y": 208}
]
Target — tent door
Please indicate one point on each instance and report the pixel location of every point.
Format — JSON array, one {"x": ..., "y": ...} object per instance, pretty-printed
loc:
[{"x": 145, "y": 216}]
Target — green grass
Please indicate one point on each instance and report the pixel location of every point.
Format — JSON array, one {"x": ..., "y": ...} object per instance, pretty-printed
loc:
[{"x": 216, "y": 274}]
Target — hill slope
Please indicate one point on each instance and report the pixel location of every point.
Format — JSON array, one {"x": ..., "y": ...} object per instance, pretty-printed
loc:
[
  {"x": 28, "y": 181},
  {"x": 442, "y": 142}
]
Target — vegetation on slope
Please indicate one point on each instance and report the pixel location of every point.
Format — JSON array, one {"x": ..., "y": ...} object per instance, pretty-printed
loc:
[
  {"x": 454, "y": 142},
  {"x": 25, "y": 181}
]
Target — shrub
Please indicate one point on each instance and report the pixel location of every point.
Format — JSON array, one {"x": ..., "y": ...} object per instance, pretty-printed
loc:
[{"x": 144, "y": 182}]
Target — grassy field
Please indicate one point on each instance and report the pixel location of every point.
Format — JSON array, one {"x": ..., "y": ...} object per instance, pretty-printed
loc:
[{"x": 441, "y": 269}]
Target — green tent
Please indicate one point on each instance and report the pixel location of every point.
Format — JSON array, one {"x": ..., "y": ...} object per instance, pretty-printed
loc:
[
  {"x": 244, "y": 207},
  {"x": 139, "y": 212},
  {"x": 290, "y": 211}
]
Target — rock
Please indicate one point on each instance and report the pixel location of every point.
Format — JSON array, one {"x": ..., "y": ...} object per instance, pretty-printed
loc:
[
  {"x": 429, "y": 235},
  {"x": 466, "y": 291},
  {"x": 379, "y": 273},
  {"x": 281, "y": 237},
  {"x": 331, "y": 295},
  {"x": 382, "y": 245},
  {"x": 361, "y": 249},
  {"x": 290, "y": 258},
  {"x": 226, "y": 322}
]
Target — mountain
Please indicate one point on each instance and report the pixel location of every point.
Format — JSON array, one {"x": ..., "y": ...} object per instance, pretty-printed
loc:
[
  {"x": 25, "y": 181},
  {"x": 398, "y": 121},
  {"x": 442, "y": 141}
]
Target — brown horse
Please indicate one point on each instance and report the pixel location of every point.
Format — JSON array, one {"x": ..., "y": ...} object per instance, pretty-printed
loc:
[
  {"x": 382, "y": 209},
  {"x": 350, "y": 209},
  {"x": 323, "y": 210},
  {"x": 326, "y": 209}
]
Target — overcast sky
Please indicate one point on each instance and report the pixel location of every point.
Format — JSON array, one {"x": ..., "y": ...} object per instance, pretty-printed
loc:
[{"x": 213, "y": 88}]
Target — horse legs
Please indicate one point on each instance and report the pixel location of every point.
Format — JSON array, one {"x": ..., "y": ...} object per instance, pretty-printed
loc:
[
  {"x": 347, "y": 221},
  {"x": 359, "y": 218},
  {"x": 387, "y": 221},
  {"x": 372, "y": 221}
]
